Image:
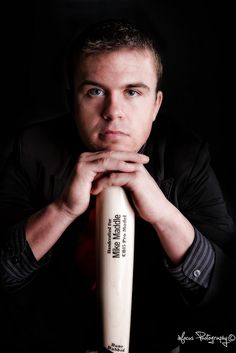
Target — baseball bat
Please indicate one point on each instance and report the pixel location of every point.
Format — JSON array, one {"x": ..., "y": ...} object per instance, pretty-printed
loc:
[{"x": 115, "y": 255}]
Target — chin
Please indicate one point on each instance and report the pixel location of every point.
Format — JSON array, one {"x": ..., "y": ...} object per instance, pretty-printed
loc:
[
  {"x": 122, "y": 147},
  {"x": 113, "y": 147}
]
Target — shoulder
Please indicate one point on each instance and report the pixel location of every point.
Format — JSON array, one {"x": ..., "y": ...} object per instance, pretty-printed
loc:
[
  {"x": 47, "y": 134},
  {"x": 179, "y": 148},
  {"x": 48, "y": 141},
  {"x": 49, "y": 131}
]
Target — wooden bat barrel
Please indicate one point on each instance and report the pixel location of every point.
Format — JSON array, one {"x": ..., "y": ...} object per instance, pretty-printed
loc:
[{"x": 115, "y": 254}]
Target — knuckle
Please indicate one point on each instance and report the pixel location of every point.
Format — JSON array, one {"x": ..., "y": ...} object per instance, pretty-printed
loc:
[
  {"x": 121, "y": 164},
  {"x": 110, "y": 154},
  {"x": 79, "y": 167},
  {"x": 102, "y": 162},
  {"x": 81, "y": 161},
  {"x": 83, "y": 156},
  {"x": 111, "y": 178}
]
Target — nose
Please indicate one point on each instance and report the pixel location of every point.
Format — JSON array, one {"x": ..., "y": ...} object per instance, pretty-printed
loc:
[{"x": 112, "y": 108}]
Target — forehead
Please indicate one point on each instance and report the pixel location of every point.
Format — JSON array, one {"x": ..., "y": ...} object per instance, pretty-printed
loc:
[{"x": 118, "y": 62}]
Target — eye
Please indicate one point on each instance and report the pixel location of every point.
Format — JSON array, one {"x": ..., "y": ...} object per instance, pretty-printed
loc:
[
  {"x": 95, "y": 92},
  {"x": 132, "y": 93}
]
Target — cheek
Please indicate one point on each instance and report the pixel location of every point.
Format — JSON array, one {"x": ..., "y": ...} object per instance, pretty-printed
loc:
[
  {"x": 84, "y": 113},
  {"x": 88, "y": 110},
  {"x": 83, "y": 109},
  {"x": 145, "y": 130},
  {"x": 144, "y": 106},
  {"x": 143, "y": 124},
  {"x": 88, "y": 127},
  {"x": 143, "y": 115}
]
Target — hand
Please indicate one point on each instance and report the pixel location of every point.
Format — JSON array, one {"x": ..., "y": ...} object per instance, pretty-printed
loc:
[
  {"x": 149, "y": 201},
  {"x": 94, "y": 168},
  {"x": 95, "y": 171}
]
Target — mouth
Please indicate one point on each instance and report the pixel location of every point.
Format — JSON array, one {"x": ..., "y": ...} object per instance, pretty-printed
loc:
[{"x": 114, "y": 133}]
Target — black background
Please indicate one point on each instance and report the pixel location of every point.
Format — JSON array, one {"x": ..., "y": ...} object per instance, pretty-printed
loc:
[{"x": 197, "y": 40}]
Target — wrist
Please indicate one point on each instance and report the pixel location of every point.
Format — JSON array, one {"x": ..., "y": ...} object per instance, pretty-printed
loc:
[
  {"x": 165, "y": 217},
  {"x": 64, "y": 211}
]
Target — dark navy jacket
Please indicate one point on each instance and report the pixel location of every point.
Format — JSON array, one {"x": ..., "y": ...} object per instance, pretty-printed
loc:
[{"x": 45, "y": 302}]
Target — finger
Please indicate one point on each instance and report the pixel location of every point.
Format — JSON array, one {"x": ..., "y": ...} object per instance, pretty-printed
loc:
[
  {"x": 113, "y": 179},
  {"x": 104, "y": 165},
  {"x": 118, "y": 155}
]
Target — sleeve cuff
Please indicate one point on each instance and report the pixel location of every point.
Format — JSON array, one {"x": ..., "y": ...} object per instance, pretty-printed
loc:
[
  {"x": 18, "y": 262},
  {"x": 195, "y": 271}
]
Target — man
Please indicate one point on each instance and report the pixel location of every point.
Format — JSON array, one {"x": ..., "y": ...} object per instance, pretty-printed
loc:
[{"x": 183, "y": 231}]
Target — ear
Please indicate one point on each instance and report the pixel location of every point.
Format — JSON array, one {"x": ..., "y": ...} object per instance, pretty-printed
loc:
[{"x": 157, "y": 104}]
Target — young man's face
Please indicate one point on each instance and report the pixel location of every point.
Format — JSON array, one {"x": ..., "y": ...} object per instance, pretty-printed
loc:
[{"x": 116, "y": 100}]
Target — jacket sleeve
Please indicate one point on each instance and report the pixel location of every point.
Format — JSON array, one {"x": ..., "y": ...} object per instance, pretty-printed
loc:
[
  {"x": 194, "y": 272},
  {"x": 202, "y": 202},
  {"x": 17, "y": 262}
]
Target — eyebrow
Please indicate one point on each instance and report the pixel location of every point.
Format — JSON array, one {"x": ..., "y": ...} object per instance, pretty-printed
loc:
[
  {"x": 130, "y": 85},
  {"x": 138, "y": 85}
]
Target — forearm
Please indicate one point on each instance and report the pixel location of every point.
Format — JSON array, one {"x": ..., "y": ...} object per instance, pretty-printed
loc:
[
  {"x": 45, "y": 227},
  {"x": 175, "y": 232},
  {"x": 27, "y": 244}
]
